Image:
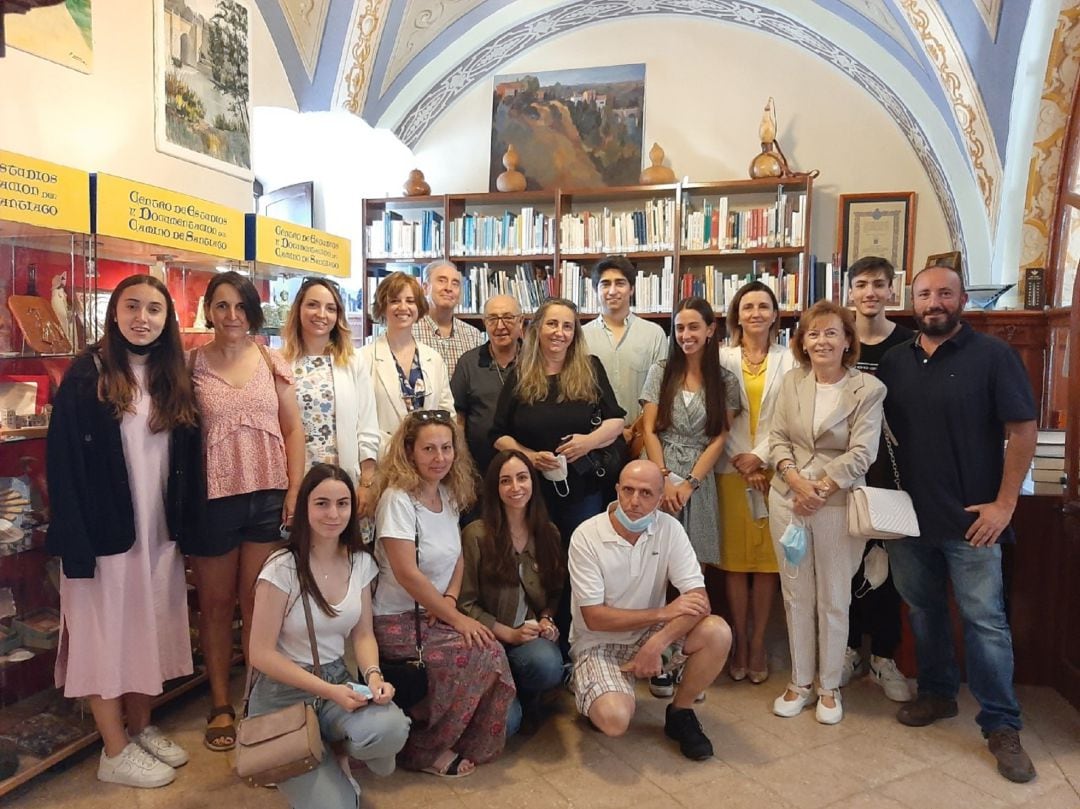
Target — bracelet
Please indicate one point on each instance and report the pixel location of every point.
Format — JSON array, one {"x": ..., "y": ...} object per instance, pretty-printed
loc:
[
  {"x": 372, "y": 670},
  {"x": 450, "y": 595},
  {"x": 664, "y": 471},
  {"x": 546, "y": 618}
]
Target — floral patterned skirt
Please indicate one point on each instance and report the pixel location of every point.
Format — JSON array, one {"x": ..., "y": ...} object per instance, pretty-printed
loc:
[{"x": 469, "y": 692}]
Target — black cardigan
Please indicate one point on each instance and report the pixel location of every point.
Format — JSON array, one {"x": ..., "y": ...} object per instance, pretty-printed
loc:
[{"x": 89, "y": 496}]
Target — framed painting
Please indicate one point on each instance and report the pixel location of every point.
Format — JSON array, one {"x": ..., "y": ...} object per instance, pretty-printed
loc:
[
  {"x": 952, "y": 260},
  {"x": 578, "y": 128},
  {"x": 61, "y": 33},
  {"x": 201, "y": 90},
  {"x": 877, "y": 225}
]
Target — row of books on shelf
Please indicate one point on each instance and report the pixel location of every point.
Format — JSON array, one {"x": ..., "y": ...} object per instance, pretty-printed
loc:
[
  {"x": 649, "y": 228},
  {"x": 529, "y": 232},
  {"x": 1047, "y": 473},
  {"x": 392, "y": 235},
  {"x": 718, "y": 226}
]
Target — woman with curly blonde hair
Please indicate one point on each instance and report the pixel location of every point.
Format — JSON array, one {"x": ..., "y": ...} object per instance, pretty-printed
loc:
[
  {"x": 426, "y": 479},
  {"x": 333, "y": 386}
]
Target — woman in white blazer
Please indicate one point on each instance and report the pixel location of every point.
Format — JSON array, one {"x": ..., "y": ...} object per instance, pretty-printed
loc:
[
  {"x": 407, "y": 375},
  {"x": 824, "y": 436},
  {"x": 746, "y": 553},
  {"x": 333, "y": 387}
]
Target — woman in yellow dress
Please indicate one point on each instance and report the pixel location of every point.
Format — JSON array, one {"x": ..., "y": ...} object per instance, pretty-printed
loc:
[{"x": 746, "y": 551}]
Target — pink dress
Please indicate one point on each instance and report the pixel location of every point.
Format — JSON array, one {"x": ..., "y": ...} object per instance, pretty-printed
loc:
[{"x": 126, "y": 629}]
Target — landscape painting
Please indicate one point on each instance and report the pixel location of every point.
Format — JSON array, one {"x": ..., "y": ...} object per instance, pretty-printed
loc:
[
  {"x": 60, "y": 33},
  {"x": 571, "y": 128},
  {"x": 201, "y": 81}
]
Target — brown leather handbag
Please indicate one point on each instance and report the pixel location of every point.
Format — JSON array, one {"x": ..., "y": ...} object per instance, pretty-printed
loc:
[{"x": 276, "y": 746}]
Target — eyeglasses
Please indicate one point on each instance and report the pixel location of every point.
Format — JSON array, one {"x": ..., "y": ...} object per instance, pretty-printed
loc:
[
  {"x": 436, "y": 416},
  {"x": 506, "y": 320}
]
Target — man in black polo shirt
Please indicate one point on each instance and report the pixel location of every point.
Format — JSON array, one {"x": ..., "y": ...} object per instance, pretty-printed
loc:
[
  {"x": 478, "y": 377},
  {"x": 954, "y": 397}
]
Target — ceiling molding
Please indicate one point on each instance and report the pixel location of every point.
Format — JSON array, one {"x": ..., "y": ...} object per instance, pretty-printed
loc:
[
  {"x": 990, "y": 11},
  {"x": 366, "y": 29},
  {"x": 954, "y": 73},
  {"x": 421, "y": 23},
  {"x": 307, "y": 22},
  {"x": 878, "y": 12},
  {"x": 498, "y": 49}
]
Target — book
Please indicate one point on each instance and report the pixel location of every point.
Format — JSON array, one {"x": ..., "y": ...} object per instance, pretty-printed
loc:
[
  {"x": 1041, "y": 462},
  {"x": 1051, "y": 437},
  {"x": 1050, "y": 451},
  {"x": 1046, "y": 488},
  {"x": 1048, "y": 476}
]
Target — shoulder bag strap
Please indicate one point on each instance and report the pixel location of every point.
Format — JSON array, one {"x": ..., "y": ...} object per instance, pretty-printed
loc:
[
  {"x": 416, "y": 604},
  {"x": 191, "y": 361},
  {"x": 266, "y": 358},
  {"x": 890, "y": 442}
]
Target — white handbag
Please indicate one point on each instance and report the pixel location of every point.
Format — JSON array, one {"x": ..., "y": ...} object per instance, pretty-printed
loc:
[{"x": 875, "y": 513}]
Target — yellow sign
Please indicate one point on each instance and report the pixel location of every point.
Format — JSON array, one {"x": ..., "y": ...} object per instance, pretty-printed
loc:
[
  {"x": 272, "y": 241},
  {"x": 144, "y": 213},
  {"x": 35, "y": 192}
]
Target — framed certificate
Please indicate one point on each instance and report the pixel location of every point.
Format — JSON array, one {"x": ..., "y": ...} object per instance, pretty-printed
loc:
[{"x": 877, "y": 225}]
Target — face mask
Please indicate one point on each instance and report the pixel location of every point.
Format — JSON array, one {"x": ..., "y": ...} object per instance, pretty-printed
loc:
[
  {"x": 558, "y": 476},
  {"x": 638, "y": 526},
  {"x": 794, "y": 543},
  {"x": 875, "y": 570}
]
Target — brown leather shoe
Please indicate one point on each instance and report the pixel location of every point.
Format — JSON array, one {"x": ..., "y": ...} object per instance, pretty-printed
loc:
[
  {"x": 926, "y": 709},
  {"x": 1012, "y": 761}
]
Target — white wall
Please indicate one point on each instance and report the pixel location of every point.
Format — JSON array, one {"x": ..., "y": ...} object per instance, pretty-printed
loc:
[
  {"x": 705, "y": 87},
  {"x": 104, "y": 121}
]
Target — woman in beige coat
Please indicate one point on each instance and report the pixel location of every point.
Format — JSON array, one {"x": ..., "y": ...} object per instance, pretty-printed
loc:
[{"x": 823, "y": 438}]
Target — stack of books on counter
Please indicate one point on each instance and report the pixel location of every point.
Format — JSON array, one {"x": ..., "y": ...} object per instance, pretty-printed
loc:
[{"x": 1047, "y": 475}]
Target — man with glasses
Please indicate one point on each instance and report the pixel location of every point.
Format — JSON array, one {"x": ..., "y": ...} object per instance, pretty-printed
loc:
[
  {"x": 448, "y": 335},
  {"x": 480, "y": 373},
  {"x": 626, "y": 345}
]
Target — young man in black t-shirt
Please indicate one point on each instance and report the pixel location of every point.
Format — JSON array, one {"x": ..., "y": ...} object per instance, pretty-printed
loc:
[{"x": 875, "y": 612}]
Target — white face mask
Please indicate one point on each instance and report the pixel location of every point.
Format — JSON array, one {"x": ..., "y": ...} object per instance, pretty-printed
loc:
[
  {"x": 875, "y": 570},
  {"x": 558, "y": 476}
]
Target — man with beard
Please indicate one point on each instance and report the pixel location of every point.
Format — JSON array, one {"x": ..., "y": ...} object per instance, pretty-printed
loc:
[{"x": 954, "y": 397}]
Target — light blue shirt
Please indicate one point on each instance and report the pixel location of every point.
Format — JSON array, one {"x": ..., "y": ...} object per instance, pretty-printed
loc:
[{"x": 627, "y": 362}]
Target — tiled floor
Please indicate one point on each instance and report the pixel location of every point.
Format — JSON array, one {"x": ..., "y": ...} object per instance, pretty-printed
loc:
[{"x": 868, "y": 761}]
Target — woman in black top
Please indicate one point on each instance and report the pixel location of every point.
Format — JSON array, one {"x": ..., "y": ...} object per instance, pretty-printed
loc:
[{"x": 558, "y": 403}]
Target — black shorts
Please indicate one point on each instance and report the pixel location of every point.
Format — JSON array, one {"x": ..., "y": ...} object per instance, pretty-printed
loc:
[{"x": 251, "y": 517}]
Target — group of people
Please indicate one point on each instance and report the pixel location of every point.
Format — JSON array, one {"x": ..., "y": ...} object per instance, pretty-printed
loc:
[{"x": 516, "y": 544}]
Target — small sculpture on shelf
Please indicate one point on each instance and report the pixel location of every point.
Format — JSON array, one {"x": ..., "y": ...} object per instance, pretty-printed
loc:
[
  {"x": 416, "y": 185},
  {"x": 60, "y": 306},
  {"x": 657, "y": 173},
  {"x": 511, "y": 179},
  {"x": 771, "y": 161}
]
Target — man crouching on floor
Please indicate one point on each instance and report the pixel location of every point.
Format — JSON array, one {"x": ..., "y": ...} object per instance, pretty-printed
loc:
[{"x": 620, "y": 564}]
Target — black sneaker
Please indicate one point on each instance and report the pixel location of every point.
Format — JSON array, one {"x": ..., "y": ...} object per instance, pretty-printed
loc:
[
  {"x": 662, "y": 685},
  {"x": 683, "y": 726},
  {"x": 1012, "y": 761}
]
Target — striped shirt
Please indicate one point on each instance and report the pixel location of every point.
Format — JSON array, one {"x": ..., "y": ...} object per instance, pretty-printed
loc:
[{"x": 463, "y": 337}]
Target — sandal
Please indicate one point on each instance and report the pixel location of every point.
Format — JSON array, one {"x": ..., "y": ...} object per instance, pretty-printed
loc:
[
  {"x": 451, "y": 769},
  {"x": 223, "y": 737}
]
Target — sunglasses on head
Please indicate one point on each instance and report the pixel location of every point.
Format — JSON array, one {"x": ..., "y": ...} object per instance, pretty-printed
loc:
[
  {"x": 436, "y": 416},
  {"x": 312, "y": 280}
]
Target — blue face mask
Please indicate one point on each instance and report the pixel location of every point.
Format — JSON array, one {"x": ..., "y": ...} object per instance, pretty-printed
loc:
[
  {"x": 638, "y": 526},
  {"x": 794, "y": 543}
]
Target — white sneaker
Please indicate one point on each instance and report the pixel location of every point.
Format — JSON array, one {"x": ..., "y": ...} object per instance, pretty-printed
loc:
[
  {"x": 884, "y": 672},
  {"x": 852, "y": 662},
  {"x": 134, "y": 767},
  {"x": 161, "y": 747},
  {"x": 829, "y": 716}
]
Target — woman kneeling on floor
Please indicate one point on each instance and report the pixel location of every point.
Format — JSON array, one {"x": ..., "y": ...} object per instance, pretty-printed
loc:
[
  {"x": 426, "y": 480},
  {"x": 326, "y": 561}
]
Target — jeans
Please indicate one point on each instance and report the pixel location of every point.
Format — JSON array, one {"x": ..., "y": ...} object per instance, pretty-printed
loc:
[
  {"x": 537, "y": 666},
  {"x": 373, "y": 734},
  {"x": 922, "y": 571}
]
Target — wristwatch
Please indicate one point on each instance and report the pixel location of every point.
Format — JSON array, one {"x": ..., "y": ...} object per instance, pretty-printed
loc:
[{"x": 695, "y": 484}]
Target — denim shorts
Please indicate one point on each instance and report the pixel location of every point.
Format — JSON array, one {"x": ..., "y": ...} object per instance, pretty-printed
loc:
[{"x": 251, "y": 517}]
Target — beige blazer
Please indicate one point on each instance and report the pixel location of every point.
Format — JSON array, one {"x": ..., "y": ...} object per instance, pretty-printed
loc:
[
  {"x": 389, "y": 406},
  {"x": 780, "y": 361},
  {"x": 845, "y": 444}
]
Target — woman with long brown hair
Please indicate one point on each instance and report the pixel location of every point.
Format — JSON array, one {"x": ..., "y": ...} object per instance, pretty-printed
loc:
[
  {"x": 126, "y": 486},
  {"x": 514, "y": 576},
  {"x": 426, "y": 479},
  {"x": 327, "y": 561},
  {"x": 333, "y": 386}
]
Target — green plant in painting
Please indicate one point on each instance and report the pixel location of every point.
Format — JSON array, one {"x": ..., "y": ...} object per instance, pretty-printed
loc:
[{"x": 227, "y": 46}]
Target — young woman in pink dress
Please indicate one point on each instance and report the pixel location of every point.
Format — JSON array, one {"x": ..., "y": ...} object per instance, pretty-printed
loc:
[{"x": 125, "y": 479}]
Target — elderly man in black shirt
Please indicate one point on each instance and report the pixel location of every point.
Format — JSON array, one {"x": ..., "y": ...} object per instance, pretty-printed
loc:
[{"x": 954, "y": 397}]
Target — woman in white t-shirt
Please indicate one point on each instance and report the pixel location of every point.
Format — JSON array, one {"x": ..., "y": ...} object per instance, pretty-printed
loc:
[
  {"x": 426, "y": 479},
  {"x": 325, "y": 559}
]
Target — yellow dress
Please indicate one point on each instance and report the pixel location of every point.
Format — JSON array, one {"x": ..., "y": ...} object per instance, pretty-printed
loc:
[{"x": 746, "y": 546}]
